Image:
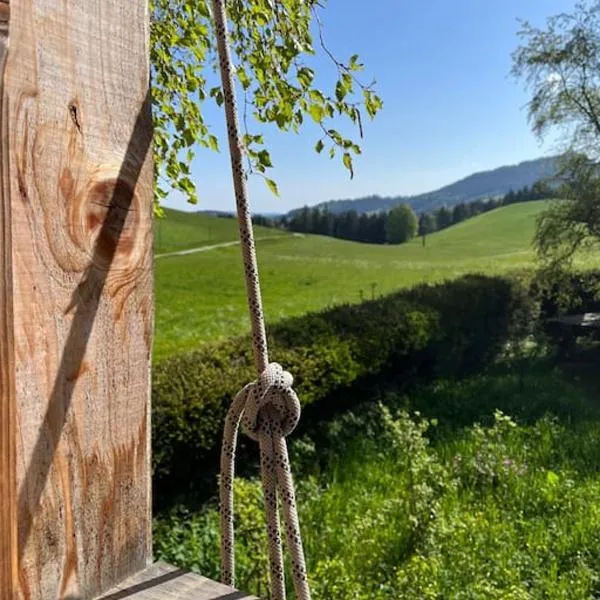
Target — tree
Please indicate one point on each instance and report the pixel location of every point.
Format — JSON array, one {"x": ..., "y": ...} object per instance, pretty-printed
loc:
[
  {"x": 574, "y": 221},
  {"x": 271, "y": 42},
  {"x": 559, "y": 64},
  {"x": 443, "y": 217},
  {"x": 460, "y": 212},
  {"x": 427, "y": 225},
  {"x": 401, "y": 224}
]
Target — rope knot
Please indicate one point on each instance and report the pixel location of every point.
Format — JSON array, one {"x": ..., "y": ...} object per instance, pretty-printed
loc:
[{"x": 271, "y": 404}]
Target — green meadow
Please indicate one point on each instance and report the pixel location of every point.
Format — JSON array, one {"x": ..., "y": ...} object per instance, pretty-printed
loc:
[
  {"x": 201, "y": 297},
  {"x": 179, "y": 230}
]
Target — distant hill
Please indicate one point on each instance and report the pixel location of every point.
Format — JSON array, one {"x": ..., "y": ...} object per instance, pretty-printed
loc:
[{"x": 485, "y": 184}]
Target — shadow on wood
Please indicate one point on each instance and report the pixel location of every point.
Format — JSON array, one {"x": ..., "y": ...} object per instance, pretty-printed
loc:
[{"x": 84, "y": 302}]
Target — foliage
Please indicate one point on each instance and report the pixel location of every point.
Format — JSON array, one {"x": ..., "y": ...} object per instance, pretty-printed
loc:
[
  {"x": 573, "y": 223},
  {"x": 401, "y": 224},
  {"x": 426, "y": 330},
  {"x": 459, "y": 504},
  {"x": 272, "y": 43},
  {"x": 427, "y": 224},
  {"x": 559, "y": 65}
]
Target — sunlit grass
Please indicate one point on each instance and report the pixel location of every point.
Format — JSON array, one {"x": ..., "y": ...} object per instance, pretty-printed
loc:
[
  {"x": 395, "y": 507},
  {"x": 202, "y": 297}
]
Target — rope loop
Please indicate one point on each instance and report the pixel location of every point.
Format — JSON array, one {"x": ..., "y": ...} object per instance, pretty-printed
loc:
[{"x": 270, "y": 404}]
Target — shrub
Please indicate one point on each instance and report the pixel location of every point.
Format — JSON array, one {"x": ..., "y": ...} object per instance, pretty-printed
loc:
[{"x": 449, "y": 329}]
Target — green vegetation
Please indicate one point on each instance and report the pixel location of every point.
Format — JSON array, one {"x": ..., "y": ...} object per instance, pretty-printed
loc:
[
  {"x": 401, "y": 224},
  {"x": 180, "y": 231},
  {"x": 419, "y": 333},
  {"x": 397, "y": 225},
  {"x": 202, "y": 298},
  {"x": 455, "y": 501},
  {"x": 272, "y": 45},
  {"x": 557, "y": 65}
]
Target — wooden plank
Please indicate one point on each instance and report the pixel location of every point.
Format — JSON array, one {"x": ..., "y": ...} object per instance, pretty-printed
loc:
[
  {"x": 590, "y": 320},
  {"x": 81, "y": 213},
  {"x": 8, "y": 521},
  {"x": 164, "y": 582}
]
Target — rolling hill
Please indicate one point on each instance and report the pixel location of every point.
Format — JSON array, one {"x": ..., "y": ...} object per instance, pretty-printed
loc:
[
  {"x": 486, "y": 184},
  {"x": 180, "y": 230},
  {"x": 201, "y": 297}
]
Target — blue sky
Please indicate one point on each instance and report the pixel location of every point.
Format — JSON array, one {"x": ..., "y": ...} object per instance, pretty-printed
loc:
[{"x": 450, "y": 105}]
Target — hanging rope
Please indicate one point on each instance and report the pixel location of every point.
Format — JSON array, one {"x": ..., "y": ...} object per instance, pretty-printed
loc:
[{"x": 268, "y": 407}]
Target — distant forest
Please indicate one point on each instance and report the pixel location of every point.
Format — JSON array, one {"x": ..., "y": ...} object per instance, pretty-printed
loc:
[{"x": 372, "y": 228}]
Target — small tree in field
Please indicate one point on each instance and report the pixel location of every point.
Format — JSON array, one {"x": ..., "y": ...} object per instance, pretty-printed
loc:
[
  {"x": 427, "y": 225},
  {"x": 401, "y": 224}
]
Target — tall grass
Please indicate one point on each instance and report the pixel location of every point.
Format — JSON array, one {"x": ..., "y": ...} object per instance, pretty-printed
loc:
[{"x": 437, "y": 495}]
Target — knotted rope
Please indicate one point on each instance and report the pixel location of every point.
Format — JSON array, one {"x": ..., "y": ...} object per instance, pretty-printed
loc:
[{"x": 268, "y": 407}]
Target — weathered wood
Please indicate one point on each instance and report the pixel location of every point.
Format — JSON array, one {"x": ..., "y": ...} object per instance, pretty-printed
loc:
[
  {"x": 163, "y": 582},
  {"x": 76, "y": 228},
  {"x": 8, "y": 521}
]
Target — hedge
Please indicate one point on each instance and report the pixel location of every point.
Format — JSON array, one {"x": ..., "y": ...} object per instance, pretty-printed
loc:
[{"x": 448, "y": 329}]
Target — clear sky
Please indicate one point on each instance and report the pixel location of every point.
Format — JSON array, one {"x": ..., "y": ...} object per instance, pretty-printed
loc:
[{"x": 450, "y": 105}]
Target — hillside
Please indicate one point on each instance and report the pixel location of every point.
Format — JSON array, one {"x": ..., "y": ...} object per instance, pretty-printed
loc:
[
  {"x": 201, "y": 297},
  {"x": 485, "y": 184},
  {"x": 180, "y": 230}
]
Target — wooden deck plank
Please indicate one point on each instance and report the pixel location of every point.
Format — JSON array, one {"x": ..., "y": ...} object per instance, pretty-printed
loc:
[{"x": 164, "y": 582}]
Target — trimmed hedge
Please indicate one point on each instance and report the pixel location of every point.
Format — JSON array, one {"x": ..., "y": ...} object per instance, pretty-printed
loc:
[{"x": 449, "y": 329}]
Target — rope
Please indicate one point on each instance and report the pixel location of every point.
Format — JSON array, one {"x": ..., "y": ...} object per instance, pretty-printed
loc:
[{"x": 268, "y": 407}]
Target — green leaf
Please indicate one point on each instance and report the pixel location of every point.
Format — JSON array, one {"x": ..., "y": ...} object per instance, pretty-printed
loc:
[
  {"x": 305, "y": 76},
  {"x": 264, "y": 158},
  {"x": 213, "y": 143},
  {"x": 317, "y": 112},
  {"x": 347, "y": 159},
  {"x": 272, "y": 186},
  {"x": 319, "y": 146}
]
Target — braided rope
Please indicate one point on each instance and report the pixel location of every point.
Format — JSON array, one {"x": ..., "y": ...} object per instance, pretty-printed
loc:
[{"x": 268, "y": 408}]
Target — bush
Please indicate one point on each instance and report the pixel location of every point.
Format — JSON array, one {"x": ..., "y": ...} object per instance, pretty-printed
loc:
[{"x": 449, "y": 329}]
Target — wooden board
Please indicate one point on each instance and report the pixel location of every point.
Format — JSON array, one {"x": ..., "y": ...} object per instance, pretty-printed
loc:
[
  {"x": 8, "y": 537},
  {"x": 587, "y": 320},
  {"x": 163, "y": 582},
  {"x": 80, "y": 205}
]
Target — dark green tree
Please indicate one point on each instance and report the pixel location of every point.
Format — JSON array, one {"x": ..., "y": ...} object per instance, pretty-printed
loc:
[
  {"x": 443, "y": 218},
  {"x": 427, "y": 225},
  {"x": 401, "y": 224},
  {"x": 460, "y": 212}
]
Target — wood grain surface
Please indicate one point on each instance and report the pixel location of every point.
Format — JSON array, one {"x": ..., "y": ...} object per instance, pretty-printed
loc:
[
  {"x": 79, "y": 206},
  {"x": 164, "y": 582},
  {"x": 8, "y": 502}
]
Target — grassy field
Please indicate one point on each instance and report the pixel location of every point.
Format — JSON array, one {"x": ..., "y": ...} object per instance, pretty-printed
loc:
[
  {"x": 201, "y": 297},
  {"x": 181, "y": 231},
  {"x": 468, "y": 504}
]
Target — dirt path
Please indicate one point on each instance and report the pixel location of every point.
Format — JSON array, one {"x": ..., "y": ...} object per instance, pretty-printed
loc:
[{"x": 214, "y": 247}]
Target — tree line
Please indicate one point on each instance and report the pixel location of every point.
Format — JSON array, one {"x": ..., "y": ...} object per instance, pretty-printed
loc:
[{"x": 401, "y": 223}]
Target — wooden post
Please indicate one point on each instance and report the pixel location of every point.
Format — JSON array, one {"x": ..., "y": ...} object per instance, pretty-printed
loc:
[{"x": 76, "y": 306}]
